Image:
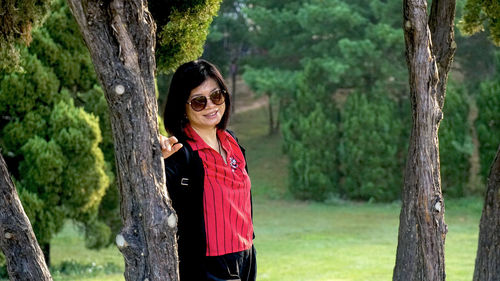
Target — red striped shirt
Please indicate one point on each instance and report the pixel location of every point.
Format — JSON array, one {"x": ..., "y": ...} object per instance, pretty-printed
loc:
[{"x": 226, "y": 197}]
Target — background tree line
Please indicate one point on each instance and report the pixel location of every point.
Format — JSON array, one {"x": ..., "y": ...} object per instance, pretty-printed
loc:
[{"x": 336, "y": 79}]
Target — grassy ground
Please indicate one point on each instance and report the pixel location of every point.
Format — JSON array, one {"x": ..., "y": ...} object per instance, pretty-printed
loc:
[{"x": 302, "y": 240}]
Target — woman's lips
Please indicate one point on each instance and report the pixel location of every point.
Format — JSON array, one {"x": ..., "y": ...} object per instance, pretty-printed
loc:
[{"x": 212, "y": 114}]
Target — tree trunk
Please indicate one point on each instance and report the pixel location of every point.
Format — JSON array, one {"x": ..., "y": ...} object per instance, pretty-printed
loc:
[
  {"x": 120, "y": 36},
  {"x": 422, "y": 229},
  {"x": 278, "y": 116},
  {"x": 234, "y": 72},
  {"x": 24, "y": 257},
  {"x": 488, "y": 249},
  {"x": 271, "y": 116}
]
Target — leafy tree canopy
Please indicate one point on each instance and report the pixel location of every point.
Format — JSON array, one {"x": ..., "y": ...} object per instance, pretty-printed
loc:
[
  {"x": 481, "y": 14},
  {"x": 182, "y": 28}
]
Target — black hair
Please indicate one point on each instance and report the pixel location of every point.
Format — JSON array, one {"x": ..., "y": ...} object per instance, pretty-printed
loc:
[{"x": 186, "y": 78}]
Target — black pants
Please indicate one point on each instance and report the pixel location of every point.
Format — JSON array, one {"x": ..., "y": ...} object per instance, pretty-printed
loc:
[{"x": 239, "y": 266}]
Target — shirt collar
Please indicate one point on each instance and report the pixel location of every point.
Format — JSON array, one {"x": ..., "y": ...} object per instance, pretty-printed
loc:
[{"x": 197, "y": 143}]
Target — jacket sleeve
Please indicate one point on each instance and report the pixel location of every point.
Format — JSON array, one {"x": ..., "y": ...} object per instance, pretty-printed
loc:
[{"x": 175, "y": 166}]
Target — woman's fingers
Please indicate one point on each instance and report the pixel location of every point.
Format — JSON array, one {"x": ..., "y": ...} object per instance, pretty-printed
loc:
[
  {"x": 176, "y": 147},
  {"x": 163, "y": 142},
  {"x": 169, "y": 146}
]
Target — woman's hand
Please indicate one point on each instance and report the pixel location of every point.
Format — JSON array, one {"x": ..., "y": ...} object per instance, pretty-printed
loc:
[{"x": 169, "y": 146}]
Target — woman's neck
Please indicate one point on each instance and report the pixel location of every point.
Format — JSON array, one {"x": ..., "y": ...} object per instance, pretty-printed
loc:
[{"x": 209, "y": 135}]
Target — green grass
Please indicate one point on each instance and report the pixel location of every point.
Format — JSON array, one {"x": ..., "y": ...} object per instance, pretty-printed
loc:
[
  {"x": 316, "y": 241},
  {"x": 306, "y": 240},
  {"x": 353, "y": 241},
  {"x": 267, "y": 165},
  {"x": 69, "y": 245}
]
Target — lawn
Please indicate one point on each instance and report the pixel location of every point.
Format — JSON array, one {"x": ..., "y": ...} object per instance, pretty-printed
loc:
[
  {"x": 300, "y": 240},
  {"x": 315, "y": 241}
]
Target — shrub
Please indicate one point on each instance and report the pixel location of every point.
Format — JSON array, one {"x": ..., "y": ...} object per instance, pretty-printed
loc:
[
  {"x": 455, "y": 143},
  {"x": 370, "y": 147}
]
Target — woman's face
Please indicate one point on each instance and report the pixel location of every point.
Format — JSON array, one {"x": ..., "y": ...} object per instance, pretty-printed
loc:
[{"x": 212, "y": 114}]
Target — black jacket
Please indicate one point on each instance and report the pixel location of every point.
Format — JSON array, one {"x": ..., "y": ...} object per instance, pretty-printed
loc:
[{"x": 185, "y": 183}]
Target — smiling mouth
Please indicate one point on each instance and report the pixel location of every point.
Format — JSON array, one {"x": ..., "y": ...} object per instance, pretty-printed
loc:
[{"x": 211, "y": 115}]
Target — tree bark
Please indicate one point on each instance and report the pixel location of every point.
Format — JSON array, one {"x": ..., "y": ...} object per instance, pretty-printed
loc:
[
  {"x": 24, "y": 257},
  {"x": 120, "y": 36},
  {"x": 422, "y": 229},
  {"x": 488, "y": 250}
]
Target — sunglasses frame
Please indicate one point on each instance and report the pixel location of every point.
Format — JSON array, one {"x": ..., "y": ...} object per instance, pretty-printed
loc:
[{"x": 222, "y": 92}]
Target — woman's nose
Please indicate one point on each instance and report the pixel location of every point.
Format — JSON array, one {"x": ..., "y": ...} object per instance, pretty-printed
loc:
[{"x": 210, "y": 103}]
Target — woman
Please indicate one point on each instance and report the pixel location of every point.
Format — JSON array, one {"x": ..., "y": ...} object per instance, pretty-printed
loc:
[{"x": 207, "y": 178}]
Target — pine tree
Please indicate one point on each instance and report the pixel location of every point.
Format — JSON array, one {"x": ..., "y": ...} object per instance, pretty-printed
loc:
[
  {"x": 370, "y": 147},
  {"x": 53, "y": 150}
]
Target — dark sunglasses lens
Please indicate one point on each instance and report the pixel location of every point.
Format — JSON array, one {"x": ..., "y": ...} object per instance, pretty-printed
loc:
[
  {"x": 217, "y": 97},
  {"x": 198, "y": 103}
]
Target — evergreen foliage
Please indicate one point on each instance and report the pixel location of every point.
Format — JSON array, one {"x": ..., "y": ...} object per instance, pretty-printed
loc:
[
  {"x": 52, "y": 149},
  {"x": 333, "y": 46},
  {"x": 59, "y": 46},
  {"x": 370, "y": 148},
  {"x": 17, "y": 21},
  {"x": 182, "y": 30},
  {"x": 479, "y": 14},
  {"x": 312, "y": 166},
  {"x": 455, "y": 143},
  {"x": 51, "y": 144},
  {"x": 228, "y": 39},
  {"x": 488, "y": 121}
]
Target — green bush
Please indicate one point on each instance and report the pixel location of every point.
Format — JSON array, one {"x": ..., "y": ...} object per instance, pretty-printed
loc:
[
  {"x": 74, "y": 268},
  {"x": 311, "y": 139},
  {"x": 455, "y": 143},
  {"x": 310, "y": 145},
  {"x": 370, "y": 148},
  {"x": 488, "y": 122}
]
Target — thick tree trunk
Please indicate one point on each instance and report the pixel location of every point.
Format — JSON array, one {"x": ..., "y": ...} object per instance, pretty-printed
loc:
[
  {"x": 422, "y": 229},
  {"x": 121, "y": 36},
  {"x": 488, "y": 249},
  {"x": 24, "y": 257}
]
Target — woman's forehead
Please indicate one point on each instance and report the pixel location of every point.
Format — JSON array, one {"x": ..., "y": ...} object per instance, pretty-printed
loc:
[{"x": 205, "y": 88}]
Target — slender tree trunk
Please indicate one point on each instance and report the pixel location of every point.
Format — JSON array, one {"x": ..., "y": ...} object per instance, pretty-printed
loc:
[
  {"x": 488, "y": 249},
  {"x": 234, "y": 72},
  {"x": 271, "y": 116},
  {"x": 278, "y": 116},
  {"x": 120, "y": 36},
  {"x": 24, "y": 257},
  {"x": 422, "y": 229}
]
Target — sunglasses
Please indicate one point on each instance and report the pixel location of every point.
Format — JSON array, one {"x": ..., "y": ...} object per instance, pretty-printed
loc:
[{"x": 199, "y": 103}]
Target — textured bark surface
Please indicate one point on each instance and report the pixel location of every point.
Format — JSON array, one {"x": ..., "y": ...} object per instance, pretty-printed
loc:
[
  {"x": 422, "y": 229},
  {"x": 488, "y": 250},
  {"x": 120, "y": 37},
  {"x": 24, "y": 257}
]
